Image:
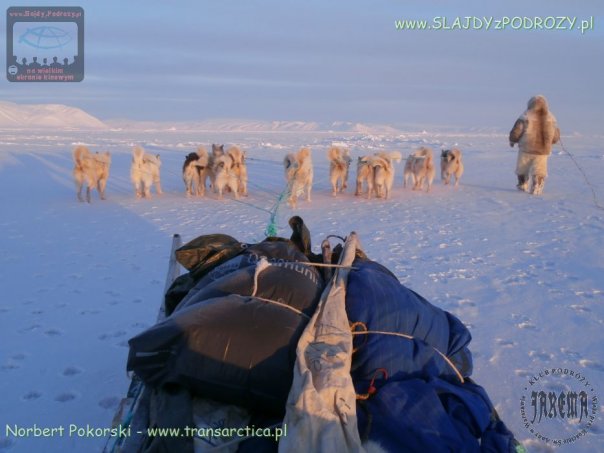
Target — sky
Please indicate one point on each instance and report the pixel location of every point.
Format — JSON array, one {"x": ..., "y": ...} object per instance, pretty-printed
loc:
[{"x": 330, "y": 61}]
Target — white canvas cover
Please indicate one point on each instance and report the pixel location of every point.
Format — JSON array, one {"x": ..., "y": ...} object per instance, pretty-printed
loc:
[{"x": 321, "y": 406}]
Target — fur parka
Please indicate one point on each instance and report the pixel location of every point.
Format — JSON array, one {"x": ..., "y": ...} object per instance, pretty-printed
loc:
[{"x": 536, "y": 129}]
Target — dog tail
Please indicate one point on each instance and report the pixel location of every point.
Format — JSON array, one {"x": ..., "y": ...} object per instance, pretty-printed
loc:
[
  {"x": 103, "y": 157},
  {"x": 138, "y": 154},
  {"x": 456, "y": 153},
  {"x": 395, "y": 156},
  {"x": 202, "y": 152},
  {"x": 79, "y": 154},
  {"x": 288, "y": 161},
  {"x": 303, "y": 154},
  {"x": 236, "y": 154},
  {"x": 333, "y": 153}
]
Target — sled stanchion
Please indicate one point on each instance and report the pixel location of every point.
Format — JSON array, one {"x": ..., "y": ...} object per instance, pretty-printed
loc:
[
  {"x": 133, "y": 412},
  {"x": 173, "y": 274}
]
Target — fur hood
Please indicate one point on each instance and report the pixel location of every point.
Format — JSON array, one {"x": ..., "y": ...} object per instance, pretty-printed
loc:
[{"x": 536, "y": 130}]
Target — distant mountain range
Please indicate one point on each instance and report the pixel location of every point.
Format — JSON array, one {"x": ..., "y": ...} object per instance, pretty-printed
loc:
[
  {"x": 57, "y": 116},
  {"x": 237, "y": 125},
  {"x": 46, "y": 116}
]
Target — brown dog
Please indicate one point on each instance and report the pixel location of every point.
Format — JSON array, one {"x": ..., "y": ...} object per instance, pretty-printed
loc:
[{"x": 92, "y": 170}]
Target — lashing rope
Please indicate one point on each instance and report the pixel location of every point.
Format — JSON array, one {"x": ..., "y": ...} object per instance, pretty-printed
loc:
[{"x": 408, "y": 337}]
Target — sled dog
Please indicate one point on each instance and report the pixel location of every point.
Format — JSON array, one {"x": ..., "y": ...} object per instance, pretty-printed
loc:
[
  {"x": 217, "y": 152},
  {"x": 144, "y": 172},
  {"x": 419, "y": 168},
  {"x": 92, "y": 170},
  {"x": 195, "y": 171},
  {"x": 451, "y": 165},
  {"x": 239, "y": 168},
  {"x": 383, "y": 172},
  {"x": 364, "y": 175},
  {"x": 377, "y": 172},
  {"x": 298, "y": 174},
  {"x": 339, "y": 164},
  {"x": 225, "y": 177}
]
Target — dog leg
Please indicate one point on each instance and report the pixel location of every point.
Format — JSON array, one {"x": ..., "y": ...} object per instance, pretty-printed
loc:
[
  {"x": 158, "y": 187},
  {"x": 88, "y": 194},
  {"x": 359, "y": 190},
  {"x": 101, "y": 187},
  {"x": 79, "y": 191}
]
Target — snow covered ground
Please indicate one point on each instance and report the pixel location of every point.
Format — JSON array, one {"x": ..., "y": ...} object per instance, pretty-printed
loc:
[{"x": 525, "y": 274}]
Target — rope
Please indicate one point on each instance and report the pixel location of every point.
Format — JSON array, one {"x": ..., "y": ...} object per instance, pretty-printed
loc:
[
  {"x": 281, "y": 304},
  {"x": 409, "y": 337},
  {"x": 271, "y": 228},
  {"x": 372, "y": 390},
  {"x": 587, "y": 181},
  {"x": 260, "y": 266}
]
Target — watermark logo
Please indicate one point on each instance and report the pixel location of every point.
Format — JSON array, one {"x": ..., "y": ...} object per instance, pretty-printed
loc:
[
  {"x": 558, "y": 406},
  {"x": 45, "y": 44}
]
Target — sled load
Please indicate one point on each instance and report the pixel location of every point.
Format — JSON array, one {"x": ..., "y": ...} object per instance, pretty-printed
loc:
[{"x": 330, "y": 350}]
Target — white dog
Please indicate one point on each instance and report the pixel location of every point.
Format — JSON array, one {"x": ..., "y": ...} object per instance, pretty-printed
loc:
[
  {"x": 383, "y": 172},
  {"x": 195, "y": 171},
  {"x": 339, "y": 159},
  {"x": 298, "y": 174},
  {"x": 225, "y": 176},
  {"x": 217, "y": 152},
  {"x": 364, "y": 175},
  {"x": 144, "y": 172},
  {"x": 419, "y": 168},
  {"x": 92, "y": 169},
  {"x": 451, "y": 165},
  {"x": 239, "y": 168}
]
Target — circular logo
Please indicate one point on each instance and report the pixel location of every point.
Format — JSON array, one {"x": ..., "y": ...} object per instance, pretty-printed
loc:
[
  {"x": 13, "y": 70},
  {"x": 558, "y": 406}
]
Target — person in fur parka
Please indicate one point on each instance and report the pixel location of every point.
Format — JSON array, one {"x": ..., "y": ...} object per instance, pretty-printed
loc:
[{"x": 535, "y": 131}]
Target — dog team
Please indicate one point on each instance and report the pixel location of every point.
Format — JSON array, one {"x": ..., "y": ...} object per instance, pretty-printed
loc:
[
  {"x": 535, "y": 132},
  {"x": 226, "y": 171}
]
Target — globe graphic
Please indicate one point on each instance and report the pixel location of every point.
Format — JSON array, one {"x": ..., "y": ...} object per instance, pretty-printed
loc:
[{"x": 45, "y": 37}]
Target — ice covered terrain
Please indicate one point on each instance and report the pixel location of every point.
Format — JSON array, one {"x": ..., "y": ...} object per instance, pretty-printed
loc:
[{"x": 525, "y": 274}]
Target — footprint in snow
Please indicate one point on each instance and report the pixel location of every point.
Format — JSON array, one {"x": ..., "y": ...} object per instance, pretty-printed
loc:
[
  {"x": 117, "y": 334},
  {"x": 9, "y": 367},
  {"x": 526, "y": 325},
  {"x": 53, "y": 332},
  {"x": 31, "y": 395},
  {"x": 65, "y": 397},
  {"x": 580, "y": 308},
  {"x": 592, "y": 365},
  {"x": 570, "y": 353},
  {"x": 111, "y": 402},
  {"x": 505, "y": 343},
  {"x": 541, "y": 355},
  {"x": 71, "y": 371},
  {"x": 30, "y": 328}
]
